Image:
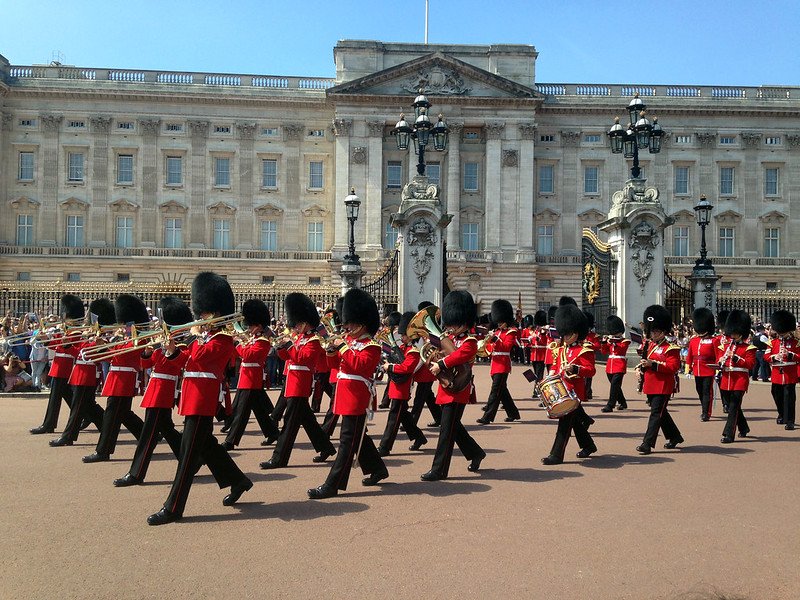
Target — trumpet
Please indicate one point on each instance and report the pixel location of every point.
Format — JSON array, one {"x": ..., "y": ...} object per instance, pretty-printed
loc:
[{"x": 426, "y": 325}]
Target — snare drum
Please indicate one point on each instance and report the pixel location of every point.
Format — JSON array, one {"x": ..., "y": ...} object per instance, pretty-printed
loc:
[{"x": 559, "y": 400}]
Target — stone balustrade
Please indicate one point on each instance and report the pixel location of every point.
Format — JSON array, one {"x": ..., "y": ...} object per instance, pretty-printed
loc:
[{"x": 204, "y": 253}]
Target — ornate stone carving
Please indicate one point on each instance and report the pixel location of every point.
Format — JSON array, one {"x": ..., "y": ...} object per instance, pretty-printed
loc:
[
  {"x": 222, "y": 208},
  {"x": 591, "y": 281},
  {"x": 643, "y": 242},
  {"x": 342, "y": 127},
  {"x": 706, "y": 138},
  {"x": 793, "y": 139},
  {"x": 24, "y": 203},
  {"x": 455, "y": 127},
  {"x": 421, "y": 237},
  {"x": 376, "y": 128},
  {"x": 419, "y": 189},
  {"x": 750, "y": 139},
  {"x": 436, "y": 80},
  {"x": 510, "y": 158},
  {"x": 100, "y": 124},
  {"x": 495, "y": 130},
  {"x": 173, "y": 207},
  {"x": 51, "y": 123},
  {"x": 149, "y": 126},
  {"x": 293, "y": 130},
  {"x": 773, "y": 217},
  {"x": 246, "y": 130},
  {"x": 315, "y": 211},
  {"x": 634, "y": 191},
  {"x": 570, "y": 138},
  {"x": 268, "y": 210},
  {"x": 199, "y": 129},
  {"x": 708, "y": 295},
  {"x": 122, "y": 205},
  {"x": 527, "y": 131},
  {"x": 359, "y": 155},
  {"x": 7, "y": 119}
]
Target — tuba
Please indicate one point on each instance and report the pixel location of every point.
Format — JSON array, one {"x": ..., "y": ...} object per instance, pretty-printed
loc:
[
  {"x": 425, "y": 325},
  {"x": 392, "y": 352}
]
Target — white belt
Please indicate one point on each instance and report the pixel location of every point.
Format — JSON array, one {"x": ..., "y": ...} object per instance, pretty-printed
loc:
[
  {"x": 736, "y": 369},
  {"x": 616, "y": 356},
  {"x": 254, "y": 365},
  {"x": 164, "y": 376},
  {"x": 501, "y": 354},
  {"x": 368, "y": 382},
  {"x": 199, "y": 375},
  {"x": 63, "y": 355},
  {"x": 298, "y": 368},
  {"x": 784, "y": 364},
  {"x": 123, "y": 369},
  {"x": 83, "y": 362},
  {"x": 538, "y": 346}
]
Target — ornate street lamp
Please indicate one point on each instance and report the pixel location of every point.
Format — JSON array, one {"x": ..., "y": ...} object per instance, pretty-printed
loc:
[
  {"x": 352, "y": 204},
  {"x": 640, "y": 134},
  {"x": 702, "y": 214},
  {"x": 421, "y": 132}
]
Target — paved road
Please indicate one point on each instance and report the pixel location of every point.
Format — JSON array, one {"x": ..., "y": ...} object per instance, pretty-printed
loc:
[{"x": 617, "y": 525}]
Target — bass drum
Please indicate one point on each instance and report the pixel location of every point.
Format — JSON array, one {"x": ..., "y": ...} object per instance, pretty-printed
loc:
[{"x": 558, "y": 399}]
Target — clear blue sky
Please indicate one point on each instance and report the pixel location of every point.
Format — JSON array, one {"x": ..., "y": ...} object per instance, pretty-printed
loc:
[{"x": 713, "y": 42}]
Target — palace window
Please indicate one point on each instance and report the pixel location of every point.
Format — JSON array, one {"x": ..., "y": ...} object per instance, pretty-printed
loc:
[
  {"x": 222, "y": 172},
  {"x": 394, "y": 174},
  {"x": 315, "y": 175},
  {"x": 469, "y": 236},
  {"x": 125, "y": 125},
  {"x": 726, "y": 241},
  {"x": 315, "y": 236},
  {"x": 173, "y": 232},
  {"x": 726, "y": 181},
  {"x": 222, "y": 128},
  {"x": 269, "y": 131},
  {"x": 682, "y": 180},
  {"x": 76, "y": 124},
  {"x": 547, "y": 138},
  {"x": 389, "y": 237},
  {"x": 592, "y": 138},
  {"x": 545, "y": 284},
  {"x": 680, "y": 241},
  {"x": 124, "y": 237},
  {"x": 590, "y": 183},
  {"x": 269, "y": 173},
  {"x": 125, "y": 169},
  {"x": 73, "y": 277},
  {"x": 25, "y": 172},
  {"x": 470, "y": 177},
  {"x": 772, "y": 140},
  {"x": 683, "y": 139},
  {"x": 74, "y": 238},
  {"x": 174, "y": 127},
  {"x": 27, "y": 122},
  {"x": 24, "y": 230},
  {"x": 315, "y": 281},
  {"x": 546, "y": 179},
  {"x": 174, "y": 170},
  {"x": 434, "y": 173},
  {"x": 727, "y": 140},
  {"x": 123, "y": 277},
  {"x": 772, "y": 242},
  {"x": 268, "y": 279},
  {"x": 24, "y": 276},
  {"x": 269, "y": 235},
  {"x": 75, "y": 166},
  {"x": 222, "y": 234},
  {"x": 318, "y": 133},
  {"x": 544, "y": 240},
  {"x": 771, "y": 180}
]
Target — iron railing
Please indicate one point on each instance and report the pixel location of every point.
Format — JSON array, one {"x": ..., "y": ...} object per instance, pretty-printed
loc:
[
  {"x": 384, "y": 286},
  {"x": 760, "y": 304}
]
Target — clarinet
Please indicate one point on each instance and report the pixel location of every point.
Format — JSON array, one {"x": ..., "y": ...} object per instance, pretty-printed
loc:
[{"x": 645, "y": 351}]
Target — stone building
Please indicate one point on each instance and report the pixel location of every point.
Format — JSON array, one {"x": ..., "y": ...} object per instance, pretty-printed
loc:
[{"x": 116, "y": 175}]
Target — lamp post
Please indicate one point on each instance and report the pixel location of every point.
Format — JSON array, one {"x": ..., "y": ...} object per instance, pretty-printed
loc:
[
  {"x": 640, "y": 134},
  {"x": 352, "y": 204},
  {"x": 422, "y": 132},
  {"x": 702, "y": 214},
  {"x": 703, "y": 277}
]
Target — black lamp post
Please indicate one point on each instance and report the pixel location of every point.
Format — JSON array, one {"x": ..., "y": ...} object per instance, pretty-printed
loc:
[
  {"x": 352, "y": 204},
  {"x": 422, "y": 132},
  {"x": 641, "y": 134},
  {"x": 703, "y": 216}
]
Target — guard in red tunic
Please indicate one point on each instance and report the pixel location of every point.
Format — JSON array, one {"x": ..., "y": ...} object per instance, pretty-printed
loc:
[
  {"x": 615, "y": 347},
  {"x": 120, "y": 385},
  {"x": 660, "y": 362},
  {"x": 159, "y": 397},
  {"x": 83, "y": 379},
  {"x": 401, "y": 377},
  {"x": 358, "y": 357},
  {"x": 200, "y": 392},
  {"x": 736, "y": 359},
  {"x": 721, "y": 340},
  {"x": 702, "y": 359},
  {"x": 574, "y": 362},
  {"x": 61, "y": 367},
  {"x": 331, "y": 419},
  {"x": 423, "y": 394},
  {"x": 391, "y": 321},
  {"x": 458, "y": 316},
  {"x": 782, "y": 356},
  {"x": 302, "y": 317},
  {"x": 593, "y": 341},
  {"x": 250, "y": 393},
  {"x": 539, "y": 343},
  {"x": 503, "y": 340}
]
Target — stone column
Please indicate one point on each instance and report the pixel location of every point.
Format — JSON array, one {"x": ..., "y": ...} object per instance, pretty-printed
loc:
[
  {"x": 747, "y": 241},
  {"x": 570, "y": 175},
  {"x": 454, "y": 186},
  {"x": 292, "y": 236},
  {"x": 150, "y": 234},
  {"x": 98, "y": 208},
  {"x": 374, "y": 190},
  {"x": 525, "y": 252},
  {"x": 49, "y": 234},
  {"x": 704, "y": 284},
  {"x": 341, "y": 129},
  {"x": 791, "y": 243},
  {"x": 198, "y": 215},
  {"x": 8, "y": 232},
  {"x": 492, "y": 193},
  {"x": 244, "y": 214}
]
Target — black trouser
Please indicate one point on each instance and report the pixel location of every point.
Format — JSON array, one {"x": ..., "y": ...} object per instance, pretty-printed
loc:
[
  {"x": 385, "y": 398},
  {"x": 577, "y": 421},
  {"x": 354, "y": 441},
  {"x": 615, "y": 394},
  {"x": 423, "y": 396},
  {"x": 452, "y": 431},
  {"x": 538, "y": 369},
  {"x": 280, "y": 406},
  {"x": 588, "y": 381},
  {"x": 784, "y": 396},
  {"x": 118, "y": 413},
  {"x": 59, "y": 390},
  {"x": 298, "y": 413},
  {"x": 322, "y": 385},
  {"x": 331, "y": 419},
  {"x": 259, "y": 403},
  {"x": 156, "y": 420},
  {"x": 398, "y": 413},
  {"x": 705, "y": 389},
  {"x": 83, "y": 407},
  {"x": 198, "y": 447},
  {"x": 499, "y": 394},
  {"x": 736, "y": 419},
  {"x": 660, "y": 419}
]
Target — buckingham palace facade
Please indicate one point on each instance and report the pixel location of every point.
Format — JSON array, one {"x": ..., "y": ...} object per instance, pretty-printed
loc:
[{"x": 130, "y": 175}]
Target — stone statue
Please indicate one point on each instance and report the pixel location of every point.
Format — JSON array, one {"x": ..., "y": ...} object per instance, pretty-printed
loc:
[{"x": 643, "y": 241}]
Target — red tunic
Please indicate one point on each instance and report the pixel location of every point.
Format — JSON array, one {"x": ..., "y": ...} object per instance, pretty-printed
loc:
[
  {"x": 64, "y": 358},
  {"x": 548, "y": 351},
  {"x": 202, "y": 388},
  {"x": 85, "y": 371},
  {"x": 660, "y": 378},
  {"x": 303, "y": 355},
  {"x": 254, "y": 357},
  {"x": 466, "y": 349},
  {"x": 402, "y": 391},
  {"x": 163, "y": 385},
  {"x": 525, "y": 337},
  {"x": 358, "y": 360},
  {"x": 580, "y": 355},
  {"x": 424, "y": 375},
  {"x": 593, "y": 340},
  {"x": 122, "y": 373},
  {"x": 616, "y": 355},
  {"x": 702, "y": 356},
  {"x": 539, "y": 345},
  {"x": 737, "y": 366},
  {"x": 501, "y": 350},
  {"x": 784, "y": 368}
]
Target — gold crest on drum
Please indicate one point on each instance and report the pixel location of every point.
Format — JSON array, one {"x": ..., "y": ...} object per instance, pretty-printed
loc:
[{"x": 558, "y": 399}]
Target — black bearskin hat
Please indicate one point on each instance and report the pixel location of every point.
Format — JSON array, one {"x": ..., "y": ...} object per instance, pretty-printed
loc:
[
  {"x": 255, "y": 312},
  {"x": 393, "y": 318},
  {"x": 527, "y": 321},
  {"x": 485, "y": 320},
  {"x": 551, "y": 313},
  {"x": 300, "y": 309},
  {"x": 212, "y": 294},
  {"x": 656, "y": 317},
  {"x": 405, "y": 319},
  {"x": 615, "y": 325},
  {"x": 104, "y": 309},
  {"x": 423, "y": 305},
  {"x": 458, "y": 308},
  {"x": 540, "y": 318},
  {"x": 738, "y": 321},
  {"x": 703, "y": 321},
  {"x": 502, "y": 312},
  {"x": 564, "y": 300},
  {"x": 783, "y": 321},
  {"x": 589, "y": 319},
  {"x": 72, "y": 307},
  {"x": 722, "y": 316},
  {"x": 571, "y": 319},
  {"x": 174, "y": 311},
  {"x": 359, "y": 308},
  {"x": 130, "y": 309}
]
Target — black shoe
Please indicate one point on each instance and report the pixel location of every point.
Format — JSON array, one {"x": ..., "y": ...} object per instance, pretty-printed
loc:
[
  {"x": 431, "y": 476},
  {"x": 84, "y": 424},
  {"x": 552, "y": 460},
  {"x": 41, "y": 429},
  {"x": 271, "y": 464},
  {"x": 323, "y": 456},
  {"x": 374, "y": 478},
  {"x": 61, "y": 441},
  {"x": 434, "y": 424},
  {"x": 228, "y": 445},
  {"x": 643, "y": 449},
  {"x": 789, "y": 427},
  {"x": 270, "y": 440},
  {"x": 725, "y": 410},
  {"x": 726, "y": 440},
  {"x": 475, "y": 465},
  {"x": 485, "y": 407},
  {"x": 511, "y": 419},
  {"x": 586, "y": 452},
  {"x": 323, "y": 491},
  {"x": 95, "y": 457},
  {"x": 163, "y": 517},
  {"x": 483, "y": 421},
  {"x": 672, "y": 444},
  {"x": 746, "y": 433},
  {"x": 384, "y": 405},
  {"x": 705, "y": 418},
  {"x": 236, "y": 492},
  {"x": 127, "y": 480},
  {"x": 383, "y": 452},
  {"x": 418, "y": 443},
  {"x": 780, "y": 421},
  {"x": 225, "y": 428},
  {"x": 622, "y": 407},
  {"x": 606, "y": 409}
]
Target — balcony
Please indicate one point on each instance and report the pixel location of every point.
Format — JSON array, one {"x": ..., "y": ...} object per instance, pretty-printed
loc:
[
  {"x": 736, "y": 261},
  {"x": 198, "y": 253}
]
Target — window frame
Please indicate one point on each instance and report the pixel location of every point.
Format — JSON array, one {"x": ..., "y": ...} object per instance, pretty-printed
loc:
[
  {"x": 394, "y": 167},
  {"x": 687, "y": 191},
  {"x": 26, "y": 229},
  {"x": 731, "y": 191},
  {"x": 769, "y": 241},
  {"x": 77, "y": 229},
  {"x": 726, "y": 239},
  {"x": 173, "y": 231},
  {"x": 264, "y": 184},
  {"x": 465, "y": 175},
  {"x": 542, "y": 235},
  {"x": 168, "y": 159},
  {"x": 225, "y": 181},
  {"x": 312, "y": 175},
  {"x": 587, "y": 180},
  {"x": 318, "y": 234},
  {"x": 552, "y": 170},
  {"x": 271, "y": 233},
  {"x": 777, "y": 182},
  {"x": 680, "y": 237},
  {"x": 221, "y": 234},
  {"x": 74, "y": 168},
  {"x": 20, "y": 166},
  {"x": 123, "y": 228},
  {"x": 470, "y": 240},
  {"x": 120, "y": 170}
]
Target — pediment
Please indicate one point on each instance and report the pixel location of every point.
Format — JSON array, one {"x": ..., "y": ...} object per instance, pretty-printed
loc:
[
  {"x": 123, "y": 205},
  {"x": 75, "y": 204},
  {"x": 682, "y": 216},
  {"x": 592, "y": 216},
  {"x": 547, "y": 216},
  {"x": 436, "y": 74},
  {"x": 173, "y": 206},
  {"x": 729, "y": 217},
  {"x": 268, "y": 210},
  {"x": 471, "y": 213},
  {"x": 221, "y": 208},
  {"x": 773, "y": 217},
  {"x": 24, "y": 203},
  {"x": 315, "y": 210}
]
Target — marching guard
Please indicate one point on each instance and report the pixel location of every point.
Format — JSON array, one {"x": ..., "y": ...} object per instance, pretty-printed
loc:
[
  {"x": 782, "y": 357},
  {"x": 615, "y": 347},
  {"x": 702, "y": 359},
  {"x": 503, "y": 340},
  {"x": 736, "y": 358}
]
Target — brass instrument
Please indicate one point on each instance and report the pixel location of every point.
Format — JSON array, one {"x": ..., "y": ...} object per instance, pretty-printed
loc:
[
  {"x": 489, "y": 338},
  {"x": 425, "y": 325},
  {"x": 391, "y": 352},
  {"x": 645, "y": 350}
]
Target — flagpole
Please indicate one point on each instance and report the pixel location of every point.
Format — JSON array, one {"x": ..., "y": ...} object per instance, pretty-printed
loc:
[{"x": 426, "y": 22}]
